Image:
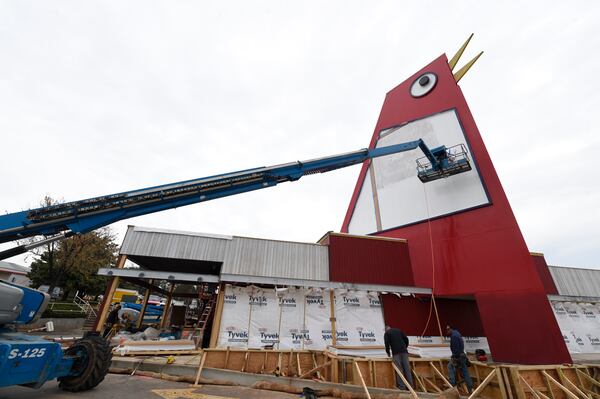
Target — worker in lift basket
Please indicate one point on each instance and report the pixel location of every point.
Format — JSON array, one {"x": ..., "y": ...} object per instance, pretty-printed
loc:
[
  {"x": 397, "y": 341},
  {"x": 459, "y": 358}
]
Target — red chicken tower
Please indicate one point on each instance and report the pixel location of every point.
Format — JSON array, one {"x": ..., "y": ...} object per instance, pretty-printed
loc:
[{"x": 463, "y": 238}]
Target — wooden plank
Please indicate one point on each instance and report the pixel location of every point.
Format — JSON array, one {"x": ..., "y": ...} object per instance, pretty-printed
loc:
[
  {"x": 434, "y": 386},
  {"x": 108, "y": 296},
  {"x": 167, "y": 308},
  {"x": 159, "y": 353},
  {"x": 362, "y": 381},
  {"x": 567, "y": 381},
  {"x": 245, "y": 362},
  {"x": 264, "y": 363},
  {"x": 441, "y": 375},
  {"x": 506, "y": 381},
  {"x": 200, "y": 369},
  {"x": 144, "y": 306},
  {"x": 417, "y": 378},
  {"x": 298, "y": 360},
  {"x": 315, "y": 369},
  {"x": 335, "y": 370},
  {"x": 332, "y": 317},
  {"x": 516, "y": 382},
  {"x": 589, "y": 378},
  {"x": 214, "y": 334},
  {"x": 501, "y": 384},
  {"x": 535, "y": 393},
  {"x": 561, "y": 386},
  {"x": 484, "y": 383},
  {"x": 547, "y": 382},
  {"x": 227, "y": 357},
  {"x": 405, "y": 381},
  {"x": 477, "y": 374}
]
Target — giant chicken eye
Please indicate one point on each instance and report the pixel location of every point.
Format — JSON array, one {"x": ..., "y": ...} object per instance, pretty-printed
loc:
[{"x": 423, "y": 84}]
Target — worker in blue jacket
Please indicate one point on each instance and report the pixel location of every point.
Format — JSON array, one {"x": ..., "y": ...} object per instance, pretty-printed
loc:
[{"x": 459, "y": 358}]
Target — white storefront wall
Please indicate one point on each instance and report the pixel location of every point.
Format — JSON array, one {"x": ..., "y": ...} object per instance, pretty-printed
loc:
[{"x": 298, "y": 318}]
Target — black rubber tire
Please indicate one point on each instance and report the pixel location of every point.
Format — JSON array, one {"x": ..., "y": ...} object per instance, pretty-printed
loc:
[{"x": 99, "y": 356}]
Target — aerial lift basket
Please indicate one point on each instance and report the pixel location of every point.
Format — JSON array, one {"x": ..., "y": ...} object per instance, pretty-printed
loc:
[{"x": 450, "y": 161}]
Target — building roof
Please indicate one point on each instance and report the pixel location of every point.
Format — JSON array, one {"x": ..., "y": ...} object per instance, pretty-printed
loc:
[
  {"x": 576, "y": 282},
  {"x": 227, "y": 255},
  {"x": 235, "y": 259},
  {"x": 13, "y": 268}
]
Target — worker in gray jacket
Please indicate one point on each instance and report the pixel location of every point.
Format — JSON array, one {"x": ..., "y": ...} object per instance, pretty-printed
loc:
[{"x": 397, "y": 342}]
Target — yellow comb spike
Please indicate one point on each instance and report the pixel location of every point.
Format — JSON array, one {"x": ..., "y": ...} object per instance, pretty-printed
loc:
[
  {"x": 462, "y": 71},
  {"x": 452, "y": 63}
]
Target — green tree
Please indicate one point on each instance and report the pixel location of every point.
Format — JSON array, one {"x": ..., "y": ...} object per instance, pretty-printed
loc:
[{"x": 72, "y": 263}]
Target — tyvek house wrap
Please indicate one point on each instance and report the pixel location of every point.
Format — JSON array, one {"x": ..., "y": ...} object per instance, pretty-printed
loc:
[{"x": 298, "y": 318}]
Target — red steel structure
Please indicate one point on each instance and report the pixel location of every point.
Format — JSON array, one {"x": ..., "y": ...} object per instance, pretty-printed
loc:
[{"x": 478, "y": 252}]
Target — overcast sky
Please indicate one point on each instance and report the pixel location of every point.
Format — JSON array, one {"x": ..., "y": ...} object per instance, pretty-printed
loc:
[{"x": 102, "y": 97}]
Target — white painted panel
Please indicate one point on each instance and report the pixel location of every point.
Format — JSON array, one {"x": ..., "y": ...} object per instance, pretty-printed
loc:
[
  {"x": 363, "y": 218},
  {"x": 403, "y": 198}
]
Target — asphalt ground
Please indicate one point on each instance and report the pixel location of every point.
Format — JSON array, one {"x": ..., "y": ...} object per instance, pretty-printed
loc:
[{"x": 134, "y": 387}]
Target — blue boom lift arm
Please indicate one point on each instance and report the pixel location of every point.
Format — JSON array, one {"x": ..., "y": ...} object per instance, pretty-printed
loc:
[{"x": 62, "y": 220}]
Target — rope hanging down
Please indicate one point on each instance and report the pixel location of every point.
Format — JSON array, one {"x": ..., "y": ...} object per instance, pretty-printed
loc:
[{"x": 432, "y": 304}]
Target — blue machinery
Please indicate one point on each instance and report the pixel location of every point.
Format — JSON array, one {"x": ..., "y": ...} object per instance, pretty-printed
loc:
[
  {"x": 63, "y": 220},
  {"x": 31, "y": 361}
]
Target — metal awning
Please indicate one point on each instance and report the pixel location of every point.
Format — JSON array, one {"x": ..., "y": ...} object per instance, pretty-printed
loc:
[
  {"x": 573, "y": 298},
  {"x": 236, "y": 278},
  {"x": 191, "y": 278},
  {"x": 143, "y": 274}
]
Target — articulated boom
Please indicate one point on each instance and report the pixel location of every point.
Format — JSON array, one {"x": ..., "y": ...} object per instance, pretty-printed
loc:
[{"x": 63, "y": 220}]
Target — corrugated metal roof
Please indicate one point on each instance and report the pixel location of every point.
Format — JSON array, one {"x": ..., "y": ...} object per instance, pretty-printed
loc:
[
  {"x": 576, "y": 282},
  {"x": 240, "y": 255},
  {"x": 174, "y": 244},
  {"x": 14, "y": 268},
  {"x": 271, "y": 258}
]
